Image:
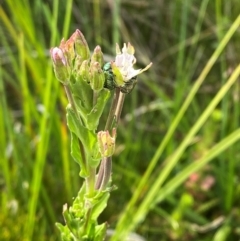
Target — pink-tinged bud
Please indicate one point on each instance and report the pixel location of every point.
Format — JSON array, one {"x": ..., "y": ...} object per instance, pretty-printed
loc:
[
  {"x": 67, "y": 59},
  {"x": 60, "y": 65},
  {"x": 68, "y": 50},
  {"x": 58, "y": 56},
  {"x": 80, "y": 45},
  {"x": 97, "y": 56},
  {"x": 97, "y": 77},
  {"x": 106, "y": 142}
]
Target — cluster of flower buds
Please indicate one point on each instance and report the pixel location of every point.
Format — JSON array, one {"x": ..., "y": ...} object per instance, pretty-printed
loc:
[{"x": 71, "y": 61}]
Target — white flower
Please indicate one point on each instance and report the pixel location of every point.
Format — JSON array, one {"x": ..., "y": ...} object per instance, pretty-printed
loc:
[{"x": 125, "y": 60}]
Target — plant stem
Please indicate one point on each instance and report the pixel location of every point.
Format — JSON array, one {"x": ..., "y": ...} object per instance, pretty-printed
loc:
[
  {"x": 104, "y": 173},
  {"x": 88, "y": 218},
  {"x": 105, "y": 169},
  {"x": 107, "y": 164},
  {"x": 90, "y": 180},
  {"x": 113, "y": 107},
  {"x": 95, "y": 96},
  {"x": 70, "y": 98},
  {"x": 100, "y": 175},
  {"x": 118, "y": 110}
]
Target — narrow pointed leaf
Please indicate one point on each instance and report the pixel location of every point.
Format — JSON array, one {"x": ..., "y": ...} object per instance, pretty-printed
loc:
[{"x": 95, "y": 114}]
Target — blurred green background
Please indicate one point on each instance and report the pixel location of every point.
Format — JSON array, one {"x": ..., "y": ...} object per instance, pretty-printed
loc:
[{"x": 38, "y": 175}]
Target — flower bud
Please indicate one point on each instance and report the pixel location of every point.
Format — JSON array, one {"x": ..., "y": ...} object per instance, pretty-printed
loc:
[
  {"x": 97, "y": 77},
  {"x": 77, "y": 64},
  {"x": 83, "y": 72},
  {"x": 80, "y": 45},
  {"x": 60, "y": 65},
  {"x": 97, "y": 56},
  {"x": 68, "y": 49},
  {"x": 106, "y": 142}
]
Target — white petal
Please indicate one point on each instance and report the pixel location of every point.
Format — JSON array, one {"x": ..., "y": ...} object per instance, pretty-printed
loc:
[
  {"x": 133, "y": 73},
  {"x": 125, "y": 61}
]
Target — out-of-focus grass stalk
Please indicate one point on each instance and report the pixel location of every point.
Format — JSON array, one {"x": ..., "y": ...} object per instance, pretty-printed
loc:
[
  {"x": 181, "y": 58},
  {"x": 226, "y": 178},
  {"x": 116, "y": 22},
  {"x": 49, "y": 102},
  {"x": 154, "y": 195},
  {"x": 65, "y": 160},
  {"x": 26, "y": 98},
  {"x": 63, "y": 135},
  {"x": 67, "y": 18},
  {"x": 97, "y": 21},
  {"x": 4, "y": 164},
  {"x": 175, "y": 157},
  {"x": 195, "y": 166}
]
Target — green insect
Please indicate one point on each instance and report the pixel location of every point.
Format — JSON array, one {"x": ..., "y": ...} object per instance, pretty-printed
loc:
[
  {"x": 109, "y": 77},
  {"x": 111, "y": 84}
]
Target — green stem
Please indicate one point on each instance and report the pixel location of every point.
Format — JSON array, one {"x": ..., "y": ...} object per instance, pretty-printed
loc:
[
  {"x": 90, "y": 180},
  {"x": 95, "y": 97},
  {"x": 70, "y": 99},
  {"x": 88, "y": 218}
]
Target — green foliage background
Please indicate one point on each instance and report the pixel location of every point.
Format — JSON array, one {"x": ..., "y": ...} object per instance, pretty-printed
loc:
[{"x": 38, "y": 175}]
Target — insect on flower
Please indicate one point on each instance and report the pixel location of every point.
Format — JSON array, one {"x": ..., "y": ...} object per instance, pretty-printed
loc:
[
  {"x": 111, "y": 84},
  {"x": 120, "y": 73}
]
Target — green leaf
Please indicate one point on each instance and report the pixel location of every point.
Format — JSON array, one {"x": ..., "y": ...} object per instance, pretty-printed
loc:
[
  {"x": 95, "y": 114},
  {"x": 81, "y": 109},
  {"x": 100, "y": 232},
  {"x": 79, "y": 202},
  {"x": 75, "y": 152},
  {"x": 65, "y": 232},
  {"x": 98, "y": 203},
  {"x": 88, "y": 139},
  {"x": 81, "y": 90},
  {"x": 75, "y": 224},
  {"x": 83, "y": 98}
]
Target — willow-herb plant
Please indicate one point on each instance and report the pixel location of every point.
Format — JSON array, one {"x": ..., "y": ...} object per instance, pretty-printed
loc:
[{"x": 88, "y": 83}]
